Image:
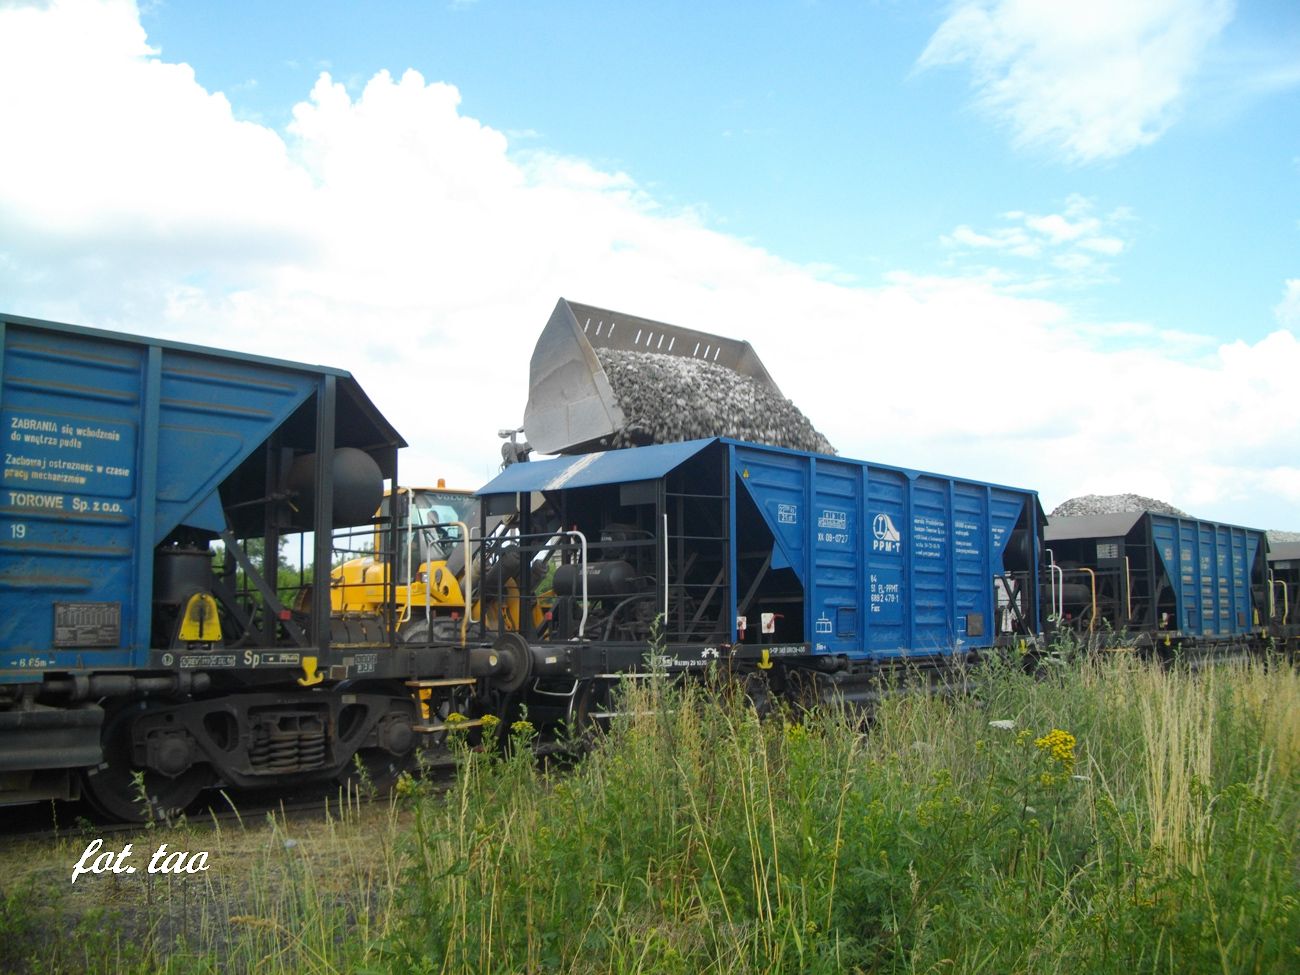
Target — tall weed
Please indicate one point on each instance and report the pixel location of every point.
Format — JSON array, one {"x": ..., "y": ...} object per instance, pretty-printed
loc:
[{"x": 1111, "y": 818}]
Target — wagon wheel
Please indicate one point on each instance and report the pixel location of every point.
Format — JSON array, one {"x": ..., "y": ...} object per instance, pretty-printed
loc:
[
  {"x": 593, "y": 706},
  {"x": 122, "y": 790},
  {"x": 379, "y": 768}
]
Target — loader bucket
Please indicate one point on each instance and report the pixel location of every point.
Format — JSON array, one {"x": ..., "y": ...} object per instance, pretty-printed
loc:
[{"x": 572, "y": 406}]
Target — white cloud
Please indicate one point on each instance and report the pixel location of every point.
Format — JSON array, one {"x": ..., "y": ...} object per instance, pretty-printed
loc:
[
  {"x": 390, "y": 234},
  {"x": 1288, "y": 312},
  {"x": 1073, "y": 243},
  {"x": 1090, "y": 80}
]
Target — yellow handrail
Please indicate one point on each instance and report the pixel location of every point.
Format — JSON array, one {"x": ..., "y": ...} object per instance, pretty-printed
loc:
[{"x": 1092, "y": 576}]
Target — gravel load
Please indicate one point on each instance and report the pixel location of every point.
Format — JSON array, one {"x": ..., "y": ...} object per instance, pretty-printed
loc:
[
  {"x": 1283, "y": 537},
  {"x": 1111, "y": 504},
  {"x": 669, "y": 398}
]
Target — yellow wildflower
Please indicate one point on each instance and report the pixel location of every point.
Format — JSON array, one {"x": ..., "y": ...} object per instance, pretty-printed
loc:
[{"x": 1060, "y": 745}]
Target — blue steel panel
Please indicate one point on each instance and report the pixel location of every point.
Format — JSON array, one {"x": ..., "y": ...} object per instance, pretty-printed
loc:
[
  {"x": 1208, "y": 566},
  {"x": 931, "y": 566},
  {"x": 1189, "y": 554},
  {"x": 888, "y": 625},
  {"x": 213, "y": 413},
  {"x": 778, "y": 481},
  {"x": 148, "y": 481},
  {"x": 111, "y": 443},
  {"x": 1223, "y": 578},
  {"x": 1005, "y": 509},
  {"x": 1206, "y": 562},
  {"x": 1164, "y": 535},
  {"x": 71, "y": 415},
  {"x": 1241, "y": 604},
  {"x": 837, "y": 557},
  {"x": 971, "y": 576}
]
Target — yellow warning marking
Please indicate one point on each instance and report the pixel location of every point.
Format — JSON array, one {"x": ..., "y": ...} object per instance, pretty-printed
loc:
[
  {"x": 311, "y": 675},
  {"x": 200, "y": 624}
]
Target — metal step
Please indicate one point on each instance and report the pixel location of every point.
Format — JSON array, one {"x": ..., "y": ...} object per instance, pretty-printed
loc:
[
  {"x": 436, "y": 728},
  {"x": 562, "y": 695}
]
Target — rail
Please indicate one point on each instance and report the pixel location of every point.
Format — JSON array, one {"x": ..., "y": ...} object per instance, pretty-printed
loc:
[
  {"x": 582, "y": 539},
  {"x": 665, "y": 569}
]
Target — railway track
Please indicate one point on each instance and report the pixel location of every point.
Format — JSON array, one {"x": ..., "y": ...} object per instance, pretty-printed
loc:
[{"x": 216, "y": 809}]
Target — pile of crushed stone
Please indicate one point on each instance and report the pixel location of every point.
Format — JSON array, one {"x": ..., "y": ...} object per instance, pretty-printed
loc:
[
  {"x": 670, "y": 398},
  {"x": 1283, "y": 537},
  {"x": 1110, "y": 504}
]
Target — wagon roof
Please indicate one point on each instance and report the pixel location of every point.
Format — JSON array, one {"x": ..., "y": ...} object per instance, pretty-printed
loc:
[
  {"x": 1065, "y": 527},
  {"x": 1278, "y": 551},
  {"x": 590, "y": 470}
]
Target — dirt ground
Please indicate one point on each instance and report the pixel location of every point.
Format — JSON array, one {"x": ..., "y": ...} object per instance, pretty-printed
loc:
[{"x": 269, "y": 869}]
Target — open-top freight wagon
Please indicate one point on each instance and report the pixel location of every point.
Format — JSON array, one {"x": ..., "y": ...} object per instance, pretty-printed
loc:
[
  {"x": 144, "y": 629},
  {"x": 822, "y": 573},
  {"x": 1169, "y": 584}
]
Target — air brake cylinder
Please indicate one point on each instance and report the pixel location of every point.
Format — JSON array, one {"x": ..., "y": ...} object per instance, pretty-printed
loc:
[
  {"x": 178, "y": 573},
  {"x": 603, "y": 579}
]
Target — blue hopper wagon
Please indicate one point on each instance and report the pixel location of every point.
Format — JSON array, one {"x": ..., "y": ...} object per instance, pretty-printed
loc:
[
  {"x": 1169, "y": 583},
  {"x": 143, "y": 628},
  {"x": 814, "y": 570}
]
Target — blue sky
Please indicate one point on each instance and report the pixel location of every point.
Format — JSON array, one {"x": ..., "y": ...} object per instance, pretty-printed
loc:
[
  {"x": 1050, "y": 245},
  {"x": 817, "y": 131}
]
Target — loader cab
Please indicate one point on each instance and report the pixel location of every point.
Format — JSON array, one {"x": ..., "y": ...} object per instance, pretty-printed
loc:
[
  {"x": 425, "y": 523},
  {"x": 428, "y": 542}
]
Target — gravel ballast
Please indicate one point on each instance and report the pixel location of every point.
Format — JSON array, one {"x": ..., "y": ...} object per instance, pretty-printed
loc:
[
  {"x": 668, "y": 399},
  {"x": 1111, "y": 504}
]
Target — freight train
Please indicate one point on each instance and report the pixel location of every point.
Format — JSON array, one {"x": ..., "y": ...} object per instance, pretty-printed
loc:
[{"x": 153, "y": 644}]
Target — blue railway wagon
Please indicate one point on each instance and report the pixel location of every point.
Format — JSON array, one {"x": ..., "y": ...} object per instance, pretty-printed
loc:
[
  {"x": 1164, "y": 579},
  {"x": 138, "y": 630},
  {"x": 111, "y": 446},
  {"x": 763, "y": 558}
]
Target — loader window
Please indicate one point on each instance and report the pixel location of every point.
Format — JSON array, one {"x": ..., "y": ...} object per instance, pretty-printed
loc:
[{"x": 436, "y": 511}]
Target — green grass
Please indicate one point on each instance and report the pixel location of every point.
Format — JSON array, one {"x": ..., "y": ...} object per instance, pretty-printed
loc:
[
  {"x": 1112, "y": 818},
  {"x": 1154, "y": 831}
]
